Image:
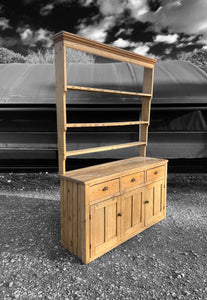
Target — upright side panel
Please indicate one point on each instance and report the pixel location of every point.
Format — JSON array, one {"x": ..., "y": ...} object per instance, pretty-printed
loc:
[
  {"x": 146, "y": 105},
  {"x": 86, "y": 226},
  {"x": 165, "y": 192},
  {"x": 75, "y": 217},
  {"x": 69, "y": 224},
  {"x": 83, "y": 233},
  {"x": 64, "y": 211},
  {"x": 70, "y": 216},
  {"x": 79, "y": 240},
  {"x": 60, "y": 71}
]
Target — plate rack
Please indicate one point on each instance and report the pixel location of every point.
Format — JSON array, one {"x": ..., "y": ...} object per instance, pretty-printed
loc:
[{"x": 65, "y": 40}]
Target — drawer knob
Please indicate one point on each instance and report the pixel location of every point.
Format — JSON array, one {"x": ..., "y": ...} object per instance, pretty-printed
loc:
[
  {"x": 133, "y": 179},
  {"x": 145, "y": 202},
  {"x": 119, "y": 215},
  {"x": 156, "y": 172},
  {"x": 105, "y": 188}
]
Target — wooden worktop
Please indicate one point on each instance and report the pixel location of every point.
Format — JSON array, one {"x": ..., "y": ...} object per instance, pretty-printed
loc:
[{"x": 95, "y": 174}]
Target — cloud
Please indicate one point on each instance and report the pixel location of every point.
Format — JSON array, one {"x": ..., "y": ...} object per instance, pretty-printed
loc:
[
  {"x": 26, "y": 35},
  {"x": 141, "y": 49},
  {"x": 46, "y": 10},
  {"x": 4, "y": 24},
  {"x": 186, "y": 16},
  {"x": 203, "y": 40},
  {"x": 168, "y": 39},
  {"x": 32, "y": 38},
  {"x": 44, "y": 36},
  {"x": 97, "y": 31},
  {"x": 138, "y": 8},
  {"x": 116, "y": 7},
  {"x": 121, "y": 43},
  {"x": 188, "y": 38},
  {"x": 86, "y": 2},
  {"x": 172, "y": 4},
  {"x": 108, "y": 7},
  {"x": 125, "y": 31},
  {"x": 142, "y": 26},
  {"x": 173, "y": 16}
]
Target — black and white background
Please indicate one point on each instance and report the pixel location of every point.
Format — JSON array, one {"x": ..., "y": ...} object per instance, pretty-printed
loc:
[
  {"x": 167, "y": 261},
  {"x": 148, "y": 27}
]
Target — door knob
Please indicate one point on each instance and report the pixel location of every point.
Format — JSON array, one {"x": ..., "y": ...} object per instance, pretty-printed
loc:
[
  {"x": 145, "y": 202},
  {"x": 105, "y": 188},
  {"x": 119, "y": 215}
]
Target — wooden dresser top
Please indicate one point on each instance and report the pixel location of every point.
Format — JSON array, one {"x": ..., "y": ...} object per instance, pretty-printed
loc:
[{"x": 107, "y": 171}]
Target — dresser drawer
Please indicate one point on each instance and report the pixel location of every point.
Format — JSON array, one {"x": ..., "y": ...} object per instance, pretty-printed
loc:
[
  {"x": 104, "y": 189},
  {"x": 133, "y": 180},
  {"x": 155, "y": 173}
]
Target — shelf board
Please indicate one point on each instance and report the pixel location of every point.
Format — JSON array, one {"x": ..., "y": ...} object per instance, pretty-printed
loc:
[
  {"x": 72, "y": 125},
  {"x": 96, "y": 90},
  {"x": 105, "y": 148}
]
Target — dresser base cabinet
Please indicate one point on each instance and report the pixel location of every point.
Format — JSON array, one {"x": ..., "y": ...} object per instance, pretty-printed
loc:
[{"x": 105, "y": 205}]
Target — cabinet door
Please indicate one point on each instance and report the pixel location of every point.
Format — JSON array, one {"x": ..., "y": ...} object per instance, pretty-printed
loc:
[
  {"x": 154, "y": 202},
  {"x": 104, "y": 226},
  {"x": 132, "y": 220}
]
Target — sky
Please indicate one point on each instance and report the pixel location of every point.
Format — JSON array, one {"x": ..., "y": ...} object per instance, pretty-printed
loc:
[{"x": 156, "y": 28}]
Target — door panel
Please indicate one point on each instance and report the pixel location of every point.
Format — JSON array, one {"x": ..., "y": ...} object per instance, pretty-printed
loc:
[
  {"x": 104, "y": 226},
  {"x": 132, "y": 213},
  {"x": 137, "y": 208},
  {"x": 111, "y": 221},
  {"x": 153, "y": 204},
  {"x": 126, "y": 208},
  {"x": 99, "y": 221}
]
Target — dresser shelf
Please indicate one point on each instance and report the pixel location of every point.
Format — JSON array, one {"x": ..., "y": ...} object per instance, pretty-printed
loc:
[{"x": 104, "y": 205}]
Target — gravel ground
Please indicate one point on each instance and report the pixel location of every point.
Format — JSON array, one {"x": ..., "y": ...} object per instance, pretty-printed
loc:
[{"x": 166, "y": 261}]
